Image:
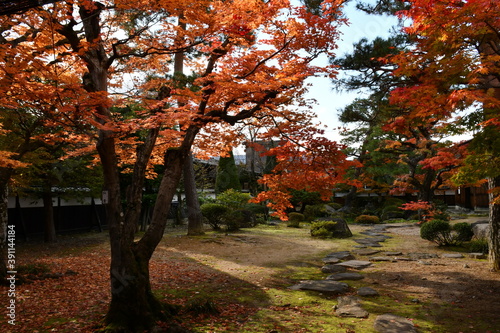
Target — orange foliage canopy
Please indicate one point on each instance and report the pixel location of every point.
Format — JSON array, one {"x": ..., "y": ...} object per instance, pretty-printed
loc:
[
  {"x": 243, "y": 58},
  {"x": 453, "y": 66}
]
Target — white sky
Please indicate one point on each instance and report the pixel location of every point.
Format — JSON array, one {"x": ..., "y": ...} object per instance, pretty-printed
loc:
[{"x": 329, "y": 101}]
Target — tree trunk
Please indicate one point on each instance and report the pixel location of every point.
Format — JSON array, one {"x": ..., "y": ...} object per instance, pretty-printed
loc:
[
  {"x": 195, "y": 219},
  {"x": 494, "y": 222},
  {"x": 49, "y": 229},
  {"x": 133, "y": 306}
]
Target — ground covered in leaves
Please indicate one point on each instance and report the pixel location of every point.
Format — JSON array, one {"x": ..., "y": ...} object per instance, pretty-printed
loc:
[{"x": 239, "y": 283}]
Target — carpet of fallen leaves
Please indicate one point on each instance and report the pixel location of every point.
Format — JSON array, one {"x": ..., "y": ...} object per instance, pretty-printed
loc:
[{"x": 74, "y": 294}]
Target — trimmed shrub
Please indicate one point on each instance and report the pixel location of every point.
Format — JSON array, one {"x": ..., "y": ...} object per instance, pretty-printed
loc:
[
  {"x": 294, "y": 220},
  {"x": 463, "y": 232},
  {"x": 367, "y": 219},
  {"x": 314, "y": 211},
  {"x": 391, "y": 212},
  {"x": 296, "y": 217},
  {"x": 233, "y": 199},
  {"x": 261, "y": 212},
  {"x": 214, "y": 214},
  {"x": 334, "y": 205},
  {"x": 479, "y": 245},
  {"x": 323, "y": 229},
  {"x": 437, "y": 231}
]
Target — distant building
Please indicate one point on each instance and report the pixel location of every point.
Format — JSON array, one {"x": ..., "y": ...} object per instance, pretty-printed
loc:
[{"x": 254, "y": 160}]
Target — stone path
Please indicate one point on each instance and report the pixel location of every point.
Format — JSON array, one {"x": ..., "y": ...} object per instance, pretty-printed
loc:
[{"x": 343, "y": 266}]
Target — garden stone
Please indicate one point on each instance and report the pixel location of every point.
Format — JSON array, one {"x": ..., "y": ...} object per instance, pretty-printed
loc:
[
  {"x": 477, "y": 255},
  {"x": 333, "y": 269},
  {"x": 416, "y": 256},
  {"x": 331, "y": 260},
  {"x": 342, "y": 255},
  {"x": 356, "y": 264},
  {"x": 345, "y": 276},
  {"x": 392, "y": 254},
  {"x": 367, "y": 291},
  {"x": 452, "y": 255},
  {"x": 481, "y": 229},
  {"x": 382, "y": 258},
  {"x": 349, "y": 306},
  {"x": 389, "y": 323},
  {"x": 366, "y": 252},
  {"x": 322, "y": 286}
]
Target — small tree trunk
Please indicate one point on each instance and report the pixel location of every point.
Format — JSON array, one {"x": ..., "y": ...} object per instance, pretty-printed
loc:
[
  {"x": 49, "y": 226},
  {"x": 195, "y": 219},
  {"x": 494, "y": 222}
]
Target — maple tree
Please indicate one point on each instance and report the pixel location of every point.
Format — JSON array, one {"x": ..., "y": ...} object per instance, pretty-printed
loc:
[
  {"x": 82, "y": 59},
  {"x": 455, "y": 65},
  {"x": 307, "y": 161}
]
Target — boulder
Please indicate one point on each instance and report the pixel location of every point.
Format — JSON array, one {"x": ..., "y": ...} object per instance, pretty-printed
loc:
[{"x": 481, "y": 229}]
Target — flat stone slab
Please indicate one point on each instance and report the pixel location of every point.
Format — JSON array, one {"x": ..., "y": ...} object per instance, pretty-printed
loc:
[
  {"x": 367, "y": 291},
  {"x": 345, "y": 276},
  {"x": 395, "y": 253},
  {"x": 342, "y": 255},
  {"x": 366, "y": 252},
  {"x": 452, "y": 255},
  {"x": 389, "y": 323},
  {"x": 356, "y": 264},
  {"x": 331, "y": 260},
  {"x": 382, "y": 258},
  {"x": 477, "y": 255},
  {"x": 333, "y": 269},
  {"x": 416, "y": 256},
  {"x": 349, "y": 306},
  {"x": 322, "y": 286}
]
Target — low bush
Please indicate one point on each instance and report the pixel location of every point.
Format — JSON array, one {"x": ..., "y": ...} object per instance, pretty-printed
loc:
[
  {"x": 323, "y": 229},
  {"x": 261, "y": 212},
  {"x": 443, "y": 233},
  {"x": 463, "y": 232},
  {"x": 314, "y": 211},
  {"x": 478, "y": 245},
  {"x": 437, "y": 231},
  {"x": 214, "y": 214},
  {"x": 233, "y": 199},
  {"x": 367, "y": 219}
]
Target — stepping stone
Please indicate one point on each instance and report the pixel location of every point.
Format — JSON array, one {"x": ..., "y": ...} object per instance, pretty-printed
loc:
[
  {"x": 389, "y": 323},
  {"x": 416, "y": 256},
  {"x": 478, "y": 255},
  {"x": 366, "y": 252},
  {"x": 367, "y": 243},
  {"x": 382, "y": 258},
  {"x": 367, "y": 291},
  {"x": 403, "y": 259},
  {"x": 333, "y": 269},
  {"x": 331, "y": 260},
  {"x": 349, "y": 306},
  {"x": 356, "y": 264},
  {"x": 392, "y": 253},
  {"x": 322, "y": 286},
  {"x": 452, "y": 255},
  {"x": 345, "y": 276},
  {"x": 342, "y": 255}
]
